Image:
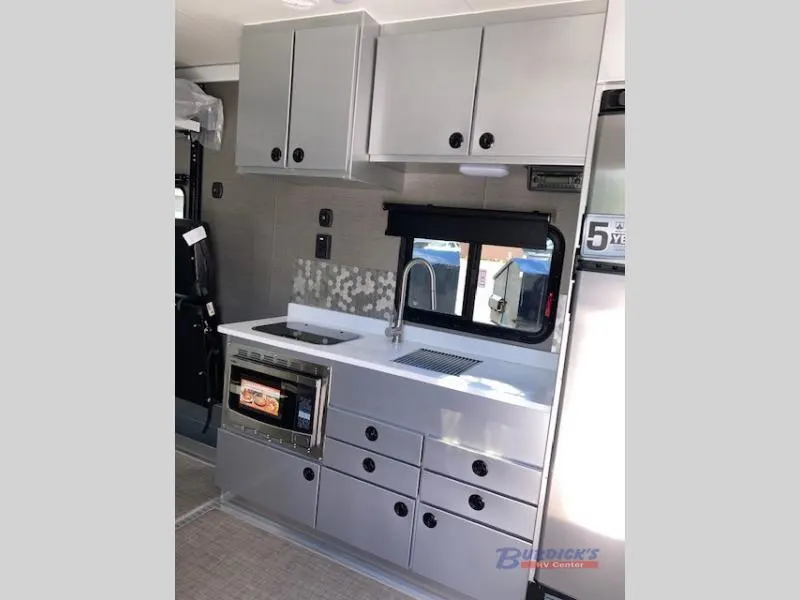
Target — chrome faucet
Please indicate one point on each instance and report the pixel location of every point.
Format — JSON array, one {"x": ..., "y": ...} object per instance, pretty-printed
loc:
[{"x": 395, "y": 331}]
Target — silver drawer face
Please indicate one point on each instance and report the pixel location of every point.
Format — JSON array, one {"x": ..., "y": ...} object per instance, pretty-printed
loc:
[
  {"x": 500, "y": 512},
  {"x": 372, "y": 467},
  {"x": 495, "y": 474},
  {"x": 365, "y": 516},
  {"x": 366, "y": 433},
  {"x": 272, "y": 479},
  {"x": 464, "y": 556}
]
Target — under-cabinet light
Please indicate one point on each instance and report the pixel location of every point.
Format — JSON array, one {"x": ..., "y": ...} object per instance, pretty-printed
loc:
[
  {"x": 301, "y": 4},
  {"x": 484, "y": 170}
]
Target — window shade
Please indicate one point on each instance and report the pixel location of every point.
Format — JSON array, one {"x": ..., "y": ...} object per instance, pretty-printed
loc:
[{"x": 495, "y": 227}]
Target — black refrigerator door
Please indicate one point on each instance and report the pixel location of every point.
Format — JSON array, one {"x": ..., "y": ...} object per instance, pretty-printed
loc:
[
  {"x": 198, "y": 356},
  {"x": 194, "y": 264}
]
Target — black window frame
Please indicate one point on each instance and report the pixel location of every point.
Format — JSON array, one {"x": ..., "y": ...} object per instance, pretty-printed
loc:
[{"x": 496, "y": 221}]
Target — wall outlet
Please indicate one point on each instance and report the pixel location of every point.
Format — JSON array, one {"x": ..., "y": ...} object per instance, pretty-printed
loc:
[{"x": 323, "y": 246}]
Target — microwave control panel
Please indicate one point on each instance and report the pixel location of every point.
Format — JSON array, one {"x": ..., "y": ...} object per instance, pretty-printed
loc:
[{"x": 305, "y": 406}]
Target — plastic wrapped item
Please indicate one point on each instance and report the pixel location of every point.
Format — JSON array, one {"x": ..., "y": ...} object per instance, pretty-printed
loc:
[{"x": 191, "y": 102}]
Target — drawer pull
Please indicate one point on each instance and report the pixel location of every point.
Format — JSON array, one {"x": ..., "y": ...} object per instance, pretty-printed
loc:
[
  {"x": 371, "y": 433},
  {"x": 479, "y": 468},
  {"x": 476, "y": 502},
  {"x": 400, "y": 509},
  {"x": 308, "y": 474},
  {"x": 429, "y": 520},
  {"x": 368, "y": 464}
]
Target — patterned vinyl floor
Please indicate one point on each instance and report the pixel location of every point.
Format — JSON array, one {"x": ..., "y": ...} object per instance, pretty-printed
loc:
[
  {"x": 219, "y": 557},
  {"x": 194, "y": 484}
]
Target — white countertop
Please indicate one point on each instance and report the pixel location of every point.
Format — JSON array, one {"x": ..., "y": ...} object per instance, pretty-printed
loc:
[{"x": 531, "y": 385}]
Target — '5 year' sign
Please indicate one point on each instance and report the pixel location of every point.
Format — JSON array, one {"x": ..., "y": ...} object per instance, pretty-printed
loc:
[{"x": 604, "y": 237}]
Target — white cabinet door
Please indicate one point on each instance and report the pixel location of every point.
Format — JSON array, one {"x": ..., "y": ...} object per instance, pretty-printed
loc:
[
  {"x": 464, "y": 556},
  {"x": 612, "y": 60},
  {"x": 365, "y": 516},
  {"x": 536, "y": 88},
  {"x": 424, "y": 93},
  {"x": 271, "y": 479},
  {"x": 320, "y": 128},
  {"x": 265, "y": 81}
]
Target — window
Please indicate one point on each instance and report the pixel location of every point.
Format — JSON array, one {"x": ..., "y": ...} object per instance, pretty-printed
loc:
[
  {"x": 449, "y": 262},
  {"x": 180, "y": 200},
  {"x": 497, "y": 273}
]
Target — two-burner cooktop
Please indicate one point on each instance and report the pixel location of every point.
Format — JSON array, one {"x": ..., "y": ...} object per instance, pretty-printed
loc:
[{"x": 303, "y": 332}]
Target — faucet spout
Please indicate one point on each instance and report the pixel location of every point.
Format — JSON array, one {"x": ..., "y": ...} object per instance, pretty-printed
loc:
[{"x": 395, "y": 331}]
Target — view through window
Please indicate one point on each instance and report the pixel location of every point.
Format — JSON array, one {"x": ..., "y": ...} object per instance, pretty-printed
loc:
[
  {"x": 180, "y": 199},
  {"x": 511, "y": 287}
]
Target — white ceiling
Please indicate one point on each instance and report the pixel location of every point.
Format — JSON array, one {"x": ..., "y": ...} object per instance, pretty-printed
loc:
[{"x": 207, "y": 31}]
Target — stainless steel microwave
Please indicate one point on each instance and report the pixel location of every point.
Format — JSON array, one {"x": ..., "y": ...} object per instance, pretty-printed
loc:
[{"x": 277, "y": 398}]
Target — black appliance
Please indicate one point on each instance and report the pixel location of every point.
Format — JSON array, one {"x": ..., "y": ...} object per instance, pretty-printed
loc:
[
  {"x": 304, "y": 332},
  {"x": 198, "y": 356}
]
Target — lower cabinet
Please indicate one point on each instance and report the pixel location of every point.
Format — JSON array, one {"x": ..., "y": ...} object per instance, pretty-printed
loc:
[
  {"x": 271, "y": 479},
  {"x": 365, "y": 516},
  {"x": 464, "y": 556}
]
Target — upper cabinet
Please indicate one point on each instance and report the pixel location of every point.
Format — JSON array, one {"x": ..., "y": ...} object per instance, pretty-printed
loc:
[
  {"x": 305, "y": 89},
  {"x": 516, "y": 93},
  {"x": 612, "y": 61},
  {"x": 322, "y": 97},
  {"x": 424, "y": 93},
  {"x": 537, "y": 81},
  {"x": 328, "y": 97},
  {"x": 265, "y": 81}
]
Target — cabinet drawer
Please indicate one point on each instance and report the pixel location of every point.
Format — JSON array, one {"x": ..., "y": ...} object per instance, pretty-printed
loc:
[
  {"x": 372, "y": 467},
  {"x": 366, "y": 433},
  {"x": 497, "y": 511},
  {"x": 495, "y": 474},
  {"x": 464, "y": 556},
  {"x": 366, "y": 517},
  {"x": 272, "y": 479}
]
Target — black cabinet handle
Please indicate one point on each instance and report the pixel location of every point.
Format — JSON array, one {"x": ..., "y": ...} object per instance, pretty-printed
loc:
[
  {"x": 276, "y": 154},
  {"x": 308, "y": 474},
  {"x": 298, "y": 155},
  {"x": 476, "y": 502},
  {"x": 429, "y": 520},
  {"x": 486, "y": 141},
  {"x": 456, "y": 139},
  {"x": 400, "y": 509},
  {"x": 368, "y": 464},
  {"x": 371, "y": 433},
  {"x": 479, "y": 468}
]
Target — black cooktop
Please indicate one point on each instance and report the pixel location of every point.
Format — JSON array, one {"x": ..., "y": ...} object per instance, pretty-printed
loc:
[{"x": 304, "y": 332}]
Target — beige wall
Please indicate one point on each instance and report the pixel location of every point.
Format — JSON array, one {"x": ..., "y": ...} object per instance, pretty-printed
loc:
[{"x": 262, "y": 223}]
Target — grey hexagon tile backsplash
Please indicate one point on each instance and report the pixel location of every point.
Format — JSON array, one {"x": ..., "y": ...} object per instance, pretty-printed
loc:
[{"x": 345, "y": 288}]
